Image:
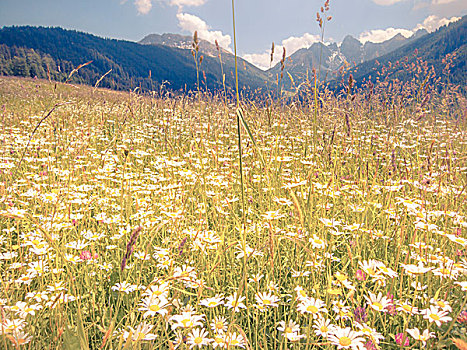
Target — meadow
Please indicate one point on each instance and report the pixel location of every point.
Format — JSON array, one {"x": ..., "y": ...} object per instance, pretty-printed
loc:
[{"x": 128, "y": 221}]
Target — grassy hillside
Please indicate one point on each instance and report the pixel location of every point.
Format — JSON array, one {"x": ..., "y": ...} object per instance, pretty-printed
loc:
[{"x": 28, "y": 51}]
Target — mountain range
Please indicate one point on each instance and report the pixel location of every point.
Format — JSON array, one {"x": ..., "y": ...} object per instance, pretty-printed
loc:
[{"x": 169, "y": 59}]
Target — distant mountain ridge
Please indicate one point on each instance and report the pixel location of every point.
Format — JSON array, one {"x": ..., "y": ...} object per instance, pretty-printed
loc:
[
  {"x": 166, "y": 59},
  {"x": 33, "y": 51},
  {"x": 329, "y": 58}
]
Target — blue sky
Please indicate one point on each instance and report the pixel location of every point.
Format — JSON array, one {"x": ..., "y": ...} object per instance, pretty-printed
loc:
[{"x": 289, "y": 23}]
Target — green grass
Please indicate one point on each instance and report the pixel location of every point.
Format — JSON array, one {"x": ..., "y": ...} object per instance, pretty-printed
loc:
[{"x": 329, "y": 213}]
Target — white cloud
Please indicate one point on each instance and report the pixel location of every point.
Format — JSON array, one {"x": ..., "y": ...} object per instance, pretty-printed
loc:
[
  {"x": 291, "y": 44},
  {"x": 442, "y": 2},
  {"x": 181, "y": 3},
  {"x": 143, "y": 6},
  {"x": 386, "y": 2},
  {"x": 380, "y": 35},
  {"x": 431, "y": 23},
  {"x": 192, "y": 23}
]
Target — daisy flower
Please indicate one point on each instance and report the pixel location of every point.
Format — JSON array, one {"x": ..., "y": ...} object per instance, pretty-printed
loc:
[
  {"x": 153, "y": 305},
  {"x": 161, "y": 290},
  {"x": 346, "y": 338},
  {"x": 323, "y": 327},
  {"x": 317, "y": 242},
  {"x": 219, "y": 324},
  {"x": 141, "y": 333},
  {"x": 186, "y": 320},
  {"x": 371, "y": 333},
  {"x": 234, "y": 339},
  {"x": 212, "y": 302},
  {"x": 444, "y": 305},
  {"x": 267, "y": 299},
  {"x": 433, "y": 314},
  {"x": 463, "y": 285},
  {"x": 125, "y": 287},
  {"x": 423, "y": 337},
  {"x": 406, "y": 307},
  {"x": 235, "y": 302},
  {"x": 289, "y": 327},
  {"x": 198, "y": 337},
  {"x": 312, "y": 306},
  {"x": 378, "y": 303}
]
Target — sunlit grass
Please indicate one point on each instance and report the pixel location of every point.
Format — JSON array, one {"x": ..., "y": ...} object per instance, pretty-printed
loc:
[{"x": 123, "y": 226}]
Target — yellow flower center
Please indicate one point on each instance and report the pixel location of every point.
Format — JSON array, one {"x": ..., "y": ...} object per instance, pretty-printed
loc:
[
  {"x": 267, "y": 302},
  {"x": 302, "y": 293},
  {"x": 198, "y": 340},
  {"x": 441, "y": 304},
  {"x": 234, "y": 303},
  {"x": 324, "y": 329},
  {"x": 435, "y": 317},
  {"x": 187, "y": 323},
  {"x": 311, "y": 308},
  {"x": 288, "y": 330},
  {"x": 154, "y": 308},
  {"x": 345, "y": 341},
  {"x": 219, "y": 324},
  {"x": 212, "y": 303},
  {"x": 378, "y": 305}
]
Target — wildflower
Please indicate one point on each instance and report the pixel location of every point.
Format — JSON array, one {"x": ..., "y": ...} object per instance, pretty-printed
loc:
[
  {"x": 219, "y": 340},
  {"x": 219, "y": 324},
  {"x": 323, "y": 327},
  {"x": 462, "y": 318},
  {"x": 141, "y": 333},
  {"x": 402, "y": 340},
  {"x": 255, "y": 278},
  {"x": 419, "y": 269},
  {"x": 153, "y": 305},
  {"x": 301, "y": 294},
  {"x": 288, "y": 328},
  {"x": 234, "y": 339},
  {"x": 85, "y": 255},
  {"x": 433, "y": 314},
  {"x": 125, "y": 287},
  {"x": 235, "y": 302},
  {"x": 346, "y": 338},
  {"x": 378, "y": 303},
  {"x": 423, "y": 337},
  {"x": 371, "y": 333},
  {"x": 23, "y": 309},
  {"x": 463, "y": 285},
  {"x": 130, "y": 246},
  {"x": 212, "y": 302},
  {"x": 10, "y": 326},
  {"x": 161, "y": 290},
  {"x": 406, "y": 307},
  {"x": 312, "y": 306},
  {"x": 360, "y": 275},
  {"x": 19, "y": 338},
  {"x": 317, "y": 242},
  {"x": 444, "y": 305},
  {"x": 186, "y": 320},
  {"x": 360, "y": 314},
  {"x": 267, "y": 299},
  {"x": 198, "y": 337}
]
